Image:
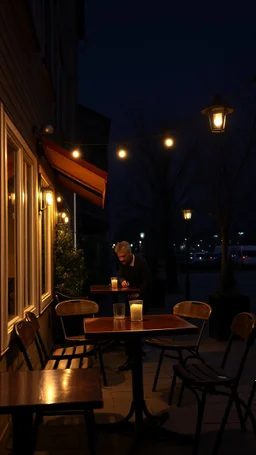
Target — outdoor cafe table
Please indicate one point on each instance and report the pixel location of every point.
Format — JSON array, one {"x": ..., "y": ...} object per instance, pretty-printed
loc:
[
  {"x": 105, "y": 289},
  {"x": 132, "y": 332},
  {"x": 23, "y": 393}
]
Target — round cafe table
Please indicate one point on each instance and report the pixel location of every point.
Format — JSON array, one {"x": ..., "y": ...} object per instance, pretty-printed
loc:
[{"x": 133, "y": 332}]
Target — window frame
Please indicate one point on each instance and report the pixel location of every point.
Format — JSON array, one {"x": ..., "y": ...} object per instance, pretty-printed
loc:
[
  {"x": 24, "y": 153},
  {"x": 47, "y": 297}
]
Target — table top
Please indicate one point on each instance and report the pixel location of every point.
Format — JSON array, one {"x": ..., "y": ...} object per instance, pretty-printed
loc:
[
  {"x": 107, "y": 288},
  {"x": 159, "y": 324},
  {"x": 52, "y": 389}
]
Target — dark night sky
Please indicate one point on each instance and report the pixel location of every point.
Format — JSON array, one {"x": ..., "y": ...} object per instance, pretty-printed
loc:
[
  {"x": 171, "y": 57},
  {"x": 163, "y": 61}
]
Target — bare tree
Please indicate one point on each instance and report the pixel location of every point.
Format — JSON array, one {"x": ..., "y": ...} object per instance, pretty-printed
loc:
[{"x": 160, "y": 185}]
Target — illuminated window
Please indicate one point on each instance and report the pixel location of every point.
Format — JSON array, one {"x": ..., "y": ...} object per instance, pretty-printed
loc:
[
  {"x": 46, "y": 255},
  {"x": 11, "y": 229}
]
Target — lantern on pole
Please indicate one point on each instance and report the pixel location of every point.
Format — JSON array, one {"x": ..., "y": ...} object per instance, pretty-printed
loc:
[{"x": 217, "y": 113}]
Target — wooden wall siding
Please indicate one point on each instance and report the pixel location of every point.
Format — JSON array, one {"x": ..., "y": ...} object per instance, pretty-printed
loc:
[{"x": 24, "y": 89}]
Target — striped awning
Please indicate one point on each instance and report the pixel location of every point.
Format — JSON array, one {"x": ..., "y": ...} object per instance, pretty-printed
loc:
[{"x": 76, "y": 174}]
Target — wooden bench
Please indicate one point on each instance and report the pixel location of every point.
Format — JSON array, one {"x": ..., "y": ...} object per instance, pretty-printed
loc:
[
  {"x": 35, "y": 353},
  {"x": 78, "y": 309},
  {"x": 63, "y": 352}
]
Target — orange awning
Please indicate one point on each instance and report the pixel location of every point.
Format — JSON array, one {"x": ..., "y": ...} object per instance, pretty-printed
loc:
[{"x": 75, "y": 174}]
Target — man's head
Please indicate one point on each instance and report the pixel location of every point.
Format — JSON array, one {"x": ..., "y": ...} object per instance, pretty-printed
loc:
[{"x": 123, "y": 252}]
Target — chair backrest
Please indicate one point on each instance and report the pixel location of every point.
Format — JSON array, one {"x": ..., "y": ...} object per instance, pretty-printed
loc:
[
  {"x": 31, "y": 317},
  {"x": 29, "y": 344},
  {"x": 243, "y": 326},
  {"x": 59, "y": 297},
  {"x": 76, "y": 308},
  {"x": 194, "y": 310},
  {"x": 72, "y": 312}
]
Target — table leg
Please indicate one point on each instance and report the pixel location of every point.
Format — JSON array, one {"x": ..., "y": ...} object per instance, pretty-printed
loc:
[
  {"x": 151, "y": 426},
  {"x": 22, "y": 433}
]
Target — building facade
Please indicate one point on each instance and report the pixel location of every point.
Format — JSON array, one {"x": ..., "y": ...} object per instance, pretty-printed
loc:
[{"x": 38, "y": 74}]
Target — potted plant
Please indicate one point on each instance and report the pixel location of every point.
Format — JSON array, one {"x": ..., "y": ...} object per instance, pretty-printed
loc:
[
  {"x": 70, "y": 274},
  {"x": 70, "y": 270}
]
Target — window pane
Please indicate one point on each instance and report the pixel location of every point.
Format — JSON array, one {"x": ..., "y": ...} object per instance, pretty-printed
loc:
[
  {"x": 28, "y": 235},
  {"x": 43, "y": 246},
  {"x": 11, "y": 174}
]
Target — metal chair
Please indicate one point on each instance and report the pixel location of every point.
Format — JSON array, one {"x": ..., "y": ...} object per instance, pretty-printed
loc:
[
  {"x": 203, "y": 379},
  {"x": 75, "y": 310},
  {"x": 187, "y": 309}
]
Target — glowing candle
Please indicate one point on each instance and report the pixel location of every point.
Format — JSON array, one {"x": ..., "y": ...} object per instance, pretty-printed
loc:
[
  {"x": 114, "y": 283},
  {"x": 136, "y": 310}
]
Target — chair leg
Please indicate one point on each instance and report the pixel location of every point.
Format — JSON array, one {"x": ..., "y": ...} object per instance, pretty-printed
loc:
[
  {"x": 250, "y": 400},
  {"x": 181, "y": 394},
  {"x": 200, "y": 415},
  {"x": 161, "y": 358},
  {"x": 240, "y": 414},
  {"x": 39, "y": 418},
  {"x": 102, "y": 366},
  {"x": 223, "y": 425},
  {"x": 172, "y": 389}
]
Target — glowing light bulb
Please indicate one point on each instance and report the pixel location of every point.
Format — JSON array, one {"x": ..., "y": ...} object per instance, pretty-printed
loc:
[
  {"x": 76, "y": 153},
  {"x": 49, "y": 198},
  {"x": 122, "y": 153},
  {"x": 218, "y": 119},
  {"x": 169, "y": 142}
]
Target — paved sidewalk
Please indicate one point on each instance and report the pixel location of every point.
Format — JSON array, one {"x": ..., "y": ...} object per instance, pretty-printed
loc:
[{"x": 67, "y": 436}]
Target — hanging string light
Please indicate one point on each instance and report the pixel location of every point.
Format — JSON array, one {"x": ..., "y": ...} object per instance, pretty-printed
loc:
[
  {"x": 122, "y": 153},
  {"x": 169, "y": 142},
  {"x": 76, "y": 153}
]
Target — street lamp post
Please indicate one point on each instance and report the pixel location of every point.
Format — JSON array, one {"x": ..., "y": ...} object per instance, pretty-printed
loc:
[{"x": 187, "y": 215}]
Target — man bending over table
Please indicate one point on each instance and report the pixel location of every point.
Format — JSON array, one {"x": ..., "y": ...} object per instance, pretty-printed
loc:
[{"x": 133, "y": 271}]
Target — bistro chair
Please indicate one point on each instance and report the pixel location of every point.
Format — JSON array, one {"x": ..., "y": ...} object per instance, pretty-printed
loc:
[
  {"x": 177, "y": 348},
  {"x": 203, "y": 379},
  {"x": 71, "y": 314}
]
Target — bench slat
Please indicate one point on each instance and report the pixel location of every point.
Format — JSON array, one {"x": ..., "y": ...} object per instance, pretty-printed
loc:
[
  {"x": 58, "y": 352},
  {"x": 79, "y": 350},
  {"x": 51, "y": 365},
  {"x": 75, "y": 363},
  {"x": 69, "y": 351},
  {"x": 63, "y": 364}
]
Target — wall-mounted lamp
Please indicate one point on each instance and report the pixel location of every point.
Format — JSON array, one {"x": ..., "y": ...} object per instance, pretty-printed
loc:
[
  {"x": 46, "y": 199},
  {"x": 59, "y": 199},
  {"x": 11, "y": 197},
  {"x": 43, "y": 129}
]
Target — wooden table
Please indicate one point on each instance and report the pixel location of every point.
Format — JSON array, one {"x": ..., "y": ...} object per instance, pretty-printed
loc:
[
  {"x": 132, "y": 332},
  {"x": 103, "y": 289},
  {"x": 23, "y": 393}
]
